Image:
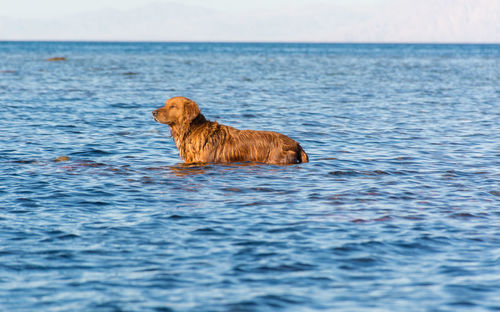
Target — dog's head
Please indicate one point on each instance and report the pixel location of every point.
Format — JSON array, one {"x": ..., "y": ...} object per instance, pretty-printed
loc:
[{"x": 177, "y": 111}]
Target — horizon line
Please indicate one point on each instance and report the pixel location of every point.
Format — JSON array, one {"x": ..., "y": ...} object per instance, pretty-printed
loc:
[{"x": 250, "y": 42}]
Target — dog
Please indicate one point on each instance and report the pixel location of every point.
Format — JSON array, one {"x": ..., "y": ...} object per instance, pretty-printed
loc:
[{"x": 202, "y": 141}]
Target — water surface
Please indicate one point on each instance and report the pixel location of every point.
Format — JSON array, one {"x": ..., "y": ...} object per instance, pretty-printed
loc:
[{"x": 398, "y": 209}]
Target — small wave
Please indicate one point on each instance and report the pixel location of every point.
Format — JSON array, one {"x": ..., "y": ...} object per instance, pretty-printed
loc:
[
  {"x": 177, "y": 217},
  {"x": 464, "y": 215},
  {"x": 25, "y": 161},
  {"x": 207, "y": 231},
  {"x": 91, "y": 152},
  {"x": 344, "y": 173},
  {"x": 124, "y": 105},
  {"x": 280, "y": 301},
  {"x": 351, "y": 173}
]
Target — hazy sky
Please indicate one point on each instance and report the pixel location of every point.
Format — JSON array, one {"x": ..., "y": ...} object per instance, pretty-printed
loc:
[
  {"x": 56, "y": 8},
  {"x": 469, "y": 21}
]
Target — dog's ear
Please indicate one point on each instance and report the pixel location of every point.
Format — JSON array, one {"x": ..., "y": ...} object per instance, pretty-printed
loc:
[{"x": 191, "y": 111}]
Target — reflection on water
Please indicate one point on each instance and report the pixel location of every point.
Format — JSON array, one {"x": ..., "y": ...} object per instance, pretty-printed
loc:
[
  {"x": 397, "y": 209},
  {"x": 182, "y": 169}
]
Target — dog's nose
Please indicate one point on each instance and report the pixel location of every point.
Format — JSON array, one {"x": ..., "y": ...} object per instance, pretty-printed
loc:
[{"x": 155, "y": 113}]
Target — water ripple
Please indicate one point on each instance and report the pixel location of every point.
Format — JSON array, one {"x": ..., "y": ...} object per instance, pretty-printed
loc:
[{"x": 397, "y": 210}]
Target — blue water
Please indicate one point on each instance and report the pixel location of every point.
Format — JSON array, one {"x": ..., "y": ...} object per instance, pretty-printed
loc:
[{"x": 398, "y": 209}]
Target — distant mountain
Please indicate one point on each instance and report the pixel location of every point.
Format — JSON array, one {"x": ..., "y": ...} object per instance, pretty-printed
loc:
[
  {"x": 389, "y": 21},
  {"x": 433, "y": 21}
]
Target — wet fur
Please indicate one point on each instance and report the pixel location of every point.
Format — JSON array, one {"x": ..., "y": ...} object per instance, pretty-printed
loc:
[{"x": 200, "y": 140}]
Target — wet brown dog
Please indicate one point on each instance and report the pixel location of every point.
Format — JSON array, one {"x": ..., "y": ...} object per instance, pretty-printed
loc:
[{"x": 200, "y": 140}]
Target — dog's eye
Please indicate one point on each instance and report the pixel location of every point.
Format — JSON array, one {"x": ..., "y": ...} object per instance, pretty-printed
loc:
[{"x": 172, "y": 106}]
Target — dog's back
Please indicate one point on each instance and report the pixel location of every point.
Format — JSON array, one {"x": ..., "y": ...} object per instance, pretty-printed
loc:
[
  {"x": 200, "y": 140},
  {"x": 213, "y": 142}
]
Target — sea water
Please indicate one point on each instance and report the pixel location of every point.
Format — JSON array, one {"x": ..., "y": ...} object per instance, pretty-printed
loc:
[{"x": 397, "y": 210}]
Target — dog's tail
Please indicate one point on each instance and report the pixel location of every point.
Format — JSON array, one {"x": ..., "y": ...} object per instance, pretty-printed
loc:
[{"x": 303, "y": 158}]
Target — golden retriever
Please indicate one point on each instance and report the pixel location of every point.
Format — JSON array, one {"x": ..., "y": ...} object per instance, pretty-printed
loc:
[{"x": 201, "y": 140}]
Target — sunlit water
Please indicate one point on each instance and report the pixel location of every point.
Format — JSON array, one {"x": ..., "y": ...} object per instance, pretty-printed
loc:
[{"x": 398, "y": 209}]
